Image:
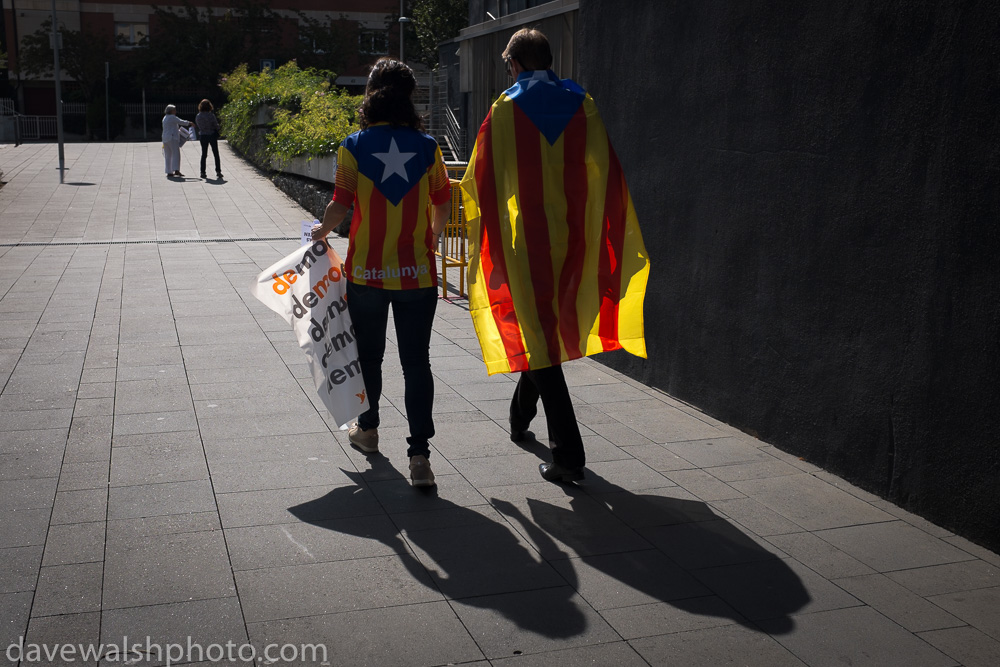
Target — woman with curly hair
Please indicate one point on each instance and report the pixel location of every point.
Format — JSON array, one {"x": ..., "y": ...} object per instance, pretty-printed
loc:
[
  {"x": 394, "y": 175},
  {"x": 208, "y": 135}
]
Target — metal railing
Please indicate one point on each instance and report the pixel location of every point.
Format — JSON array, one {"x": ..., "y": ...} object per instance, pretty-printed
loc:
[
  {"x": 452, "y": 133},
  {"x": 30, "y": 128},
  {"x": 442, "y": 123}
]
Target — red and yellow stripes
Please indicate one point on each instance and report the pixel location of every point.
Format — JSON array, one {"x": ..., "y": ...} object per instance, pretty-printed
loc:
[
  {"x": 391, "y": 247},
  {"x": 558, "y": 268}
]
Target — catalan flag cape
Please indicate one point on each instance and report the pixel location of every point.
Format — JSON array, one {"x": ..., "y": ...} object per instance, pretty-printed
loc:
[{"x": 557, "y": 267}]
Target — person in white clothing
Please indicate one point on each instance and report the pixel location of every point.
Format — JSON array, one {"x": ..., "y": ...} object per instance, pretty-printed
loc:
[{"x": 172, "y": 140}]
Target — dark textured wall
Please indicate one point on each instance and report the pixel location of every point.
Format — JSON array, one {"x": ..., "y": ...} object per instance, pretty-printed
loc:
[{"x": 817, "y": 184}]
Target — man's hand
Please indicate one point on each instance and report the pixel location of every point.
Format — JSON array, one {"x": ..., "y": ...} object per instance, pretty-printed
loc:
[{"x": 318, "y": 232}]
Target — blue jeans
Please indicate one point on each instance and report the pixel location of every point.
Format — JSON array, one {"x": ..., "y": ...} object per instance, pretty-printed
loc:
[{"x": 413, "y": 311}]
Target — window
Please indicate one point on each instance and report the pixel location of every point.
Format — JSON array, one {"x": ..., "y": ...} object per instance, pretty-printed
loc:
[
  {"x": 311, "y": 45},
  {"x": 373, "y": 42},
  {"x": 129, "y": 35}
]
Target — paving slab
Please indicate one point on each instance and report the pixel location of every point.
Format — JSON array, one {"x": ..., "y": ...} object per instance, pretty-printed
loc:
[
  {"x": 897, "y": 603},
  {"x": 19, "y": 568},
  {"x": 709, "y": 647},
  {"x": 75, "y": 543},
  {"x": 166, "y": 568},
  {"x": 456, "y": 560},
  {"x": 641, "y": 577},
  {"x": 62, "y": 636},
  {"x": 949, "y": 578},
  {"x": 201, "y": 624},
  {"x": 167, "y": 472},
  {"x": 532, "y": 622},
  {"x": 811, "y": 502},
  {"x": 965, "y": 645},
  {"x": 979, "y": 608},
  {"x": 148, "y": 500},
  {"x": 68, "y": 589},
  {"x": 856, "y": 635},
  {"x": 614, "y": 653},
  {"x": 661, "y": 618},
  {"x": 334, "y": 586},
  {"x": 21, "y": 528},
  {"x": 819, "y": 555},
  {"x": 417, "y": 634},
  {"x": 893, "y": 545},
  {"x": 276, "y": 545}
]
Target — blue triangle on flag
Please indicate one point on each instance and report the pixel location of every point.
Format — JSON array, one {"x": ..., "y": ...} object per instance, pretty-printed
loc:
[
  {"x": 393, "y": 160},
  {"x": 549, "y": 105}
]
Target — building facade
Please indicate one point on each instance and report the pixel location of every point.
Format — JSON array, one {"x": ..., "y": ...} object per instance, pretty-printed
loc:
[{"x": 125, "y": 26}]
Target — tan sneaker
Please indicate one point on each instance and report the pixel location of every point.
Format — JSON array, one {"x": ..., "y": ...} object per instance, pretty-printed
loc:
[
  {"x": 420, "y": 471},
  {"x": 366, "y": 441}
]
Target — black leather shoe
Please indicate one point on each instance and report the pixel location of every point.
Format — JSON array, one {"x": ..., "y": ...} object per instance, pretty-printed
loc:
[{"x": 552, "y": 472}]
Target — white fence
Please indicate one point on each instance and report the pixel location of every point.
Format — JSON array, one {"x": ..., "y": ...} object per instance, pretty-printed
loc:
[{"x": 36, "y": 127}]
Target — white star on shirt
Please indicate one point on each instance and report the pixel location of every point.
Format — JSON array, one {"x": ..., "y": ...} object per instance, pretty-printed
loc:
[{"x": 394, "y": 161}]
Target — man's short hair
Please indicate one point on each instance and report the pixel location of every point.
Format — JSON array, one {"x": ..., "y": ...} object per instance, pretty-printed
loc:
[{"x": 529, "y": 47}]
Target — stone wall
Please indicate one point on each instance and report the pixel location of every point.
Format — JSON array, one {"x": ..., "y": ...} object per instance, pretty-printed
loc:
[
  {"x": 302, "y": 179},
  {"x": 817, "y": 184},
  {"x": 311, "y": 195}
]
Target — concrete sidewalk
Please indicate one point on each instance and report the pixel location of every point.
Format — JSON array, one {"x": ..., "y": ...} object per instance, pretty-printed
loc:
[{"x": 168, "y": 476}]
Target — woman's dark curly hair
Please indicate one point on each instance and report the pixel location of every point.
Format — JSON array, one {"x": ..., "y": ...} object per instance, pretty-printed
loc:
[{"x": 387, "y": 96}]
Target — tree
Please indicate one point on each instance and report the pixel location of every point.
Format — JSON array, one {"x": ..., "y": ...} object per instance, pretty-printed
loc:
[
  {"x": 190, "y": 47},
  {"x": 437, "y": 21},
  {"x": 326, "y": 45},
  {"x": 82, "y": 56}
]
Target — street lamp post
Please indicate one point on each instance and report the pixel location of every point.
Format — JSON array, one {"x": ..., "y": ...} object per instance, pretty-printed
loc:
[
  {"x": 107, "y": 111},
  {"x": 59, "y": 123},
  {"x": 402, "y": 25}
]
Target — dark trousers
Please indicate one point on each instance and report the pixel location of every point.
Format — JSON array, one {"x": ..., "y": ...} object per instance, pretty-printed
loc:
[
  {"x": 413, "y": 312},
  {"x": 213, "y": 141},
  {"x": 564, "y": 433}
]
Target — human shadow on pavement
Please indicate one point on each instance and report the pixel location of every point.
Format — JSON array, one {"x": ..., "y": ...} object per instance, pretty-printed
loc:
[
  {"x": 697, "y": 561},
  {"x": 675, "y": 550},
  {"x": 472, "y": 557},
  {"x": 614, "y": 547}
]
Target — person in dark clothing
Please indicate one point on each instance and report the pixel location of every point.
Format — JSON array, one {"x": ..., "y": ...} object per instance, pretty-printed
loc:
[{"x": 208, "y": 135}]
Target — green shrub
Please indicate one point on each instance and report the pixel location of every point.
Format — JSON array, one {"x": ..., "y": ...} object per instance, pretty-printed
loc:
[{"x": 311, "y": 117}]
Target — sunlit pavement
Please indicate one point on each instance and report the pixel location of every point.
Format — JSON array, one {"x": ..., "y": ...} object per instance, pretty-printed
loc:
[{"x": 173, "y": 489}]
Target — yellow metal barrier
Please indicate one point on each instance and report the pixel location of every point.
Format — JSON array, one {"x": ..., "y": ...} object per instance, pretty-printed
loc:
[{"x": 454, "y": 242}]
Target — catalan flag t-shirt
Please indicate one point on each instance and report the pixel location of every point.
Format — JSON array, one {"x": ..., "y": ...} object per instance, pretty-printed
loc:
[{"x": 392, "y": 175}]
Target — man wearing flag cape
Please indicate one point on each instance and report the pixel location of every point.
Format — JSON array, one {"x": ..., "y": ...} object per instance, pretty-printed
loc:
[{"x": 557, "y": 267}]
